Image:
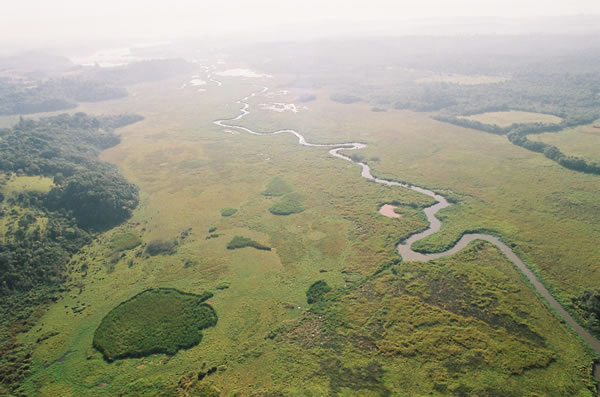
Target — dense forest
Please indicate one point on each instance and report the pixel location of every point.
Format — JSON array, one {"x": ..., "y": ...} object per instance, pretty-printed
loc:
[
  {"x": 88, "y": 195},
  {"x": 139, "y": 72},
  {"x": 24, "y": 97},
  {"x": 42, "y": 230},
  {"x": 64, "y": 87}
]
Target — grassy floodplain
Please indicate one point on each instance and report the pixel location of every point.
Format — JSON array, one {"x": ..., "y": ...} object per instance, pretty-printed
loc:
[
  {"x": 506, "y": 119},
  {"x": 333, "y": 234},
  {"x": 550, "y": 214},
  {"x": 582, "y": 141},
  {"x": 154, "y": 321},
  {"x": 371, "y": 334}
]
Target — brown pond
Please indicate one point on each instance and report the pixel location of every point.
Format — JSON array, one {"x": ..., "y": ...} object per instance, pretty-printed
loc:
[{"x": 388, "y": 210}]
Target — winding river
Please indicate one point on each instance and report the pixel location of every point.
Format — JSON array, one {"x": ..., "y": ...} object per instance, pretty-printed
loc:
[{"x": 404, "y": 247}]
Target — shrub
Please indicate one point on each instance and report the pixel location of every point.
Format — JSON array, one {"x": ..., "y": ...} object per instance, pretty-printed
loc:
[
  {"x": 317, "y": 291},
  {"x": 357, "y": 158},
  {"x": 589, "y": 303},
  {"x": 158, "y": 247},
  {"x": 160, "y": 320},
  {"x": 289, "y": 204},
  {"x": 222, "y": 285},
  {"x": 277, "y": 187},
  {"x": 241, "y": 242},
  {"x": 212, "y": 229},
  {"x": 228, "y": 211}
]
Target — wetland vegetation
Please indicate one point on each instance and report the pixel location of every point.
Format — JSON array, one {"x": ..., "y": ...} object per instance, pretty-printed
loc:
[
  {"x": 242, "y": 242},
  {"x": 108, "y": 241},
  {"x": 154, "y": 321}
]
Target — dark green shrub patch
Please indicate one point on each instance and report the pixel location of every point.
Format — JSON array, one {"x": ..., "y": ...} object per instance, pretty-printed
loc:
[
  {"x": 161, "y": 320},
  {"x": 289, "y": 204},
  {"x": 277, "y": 187},
  {"x": 588, "y": 304},
  {"x": 158, "y": 247},
  {"x": 241, "y": 242},
  {"x": 317, "y": 291},
  {"x": 228, "y": 211}
]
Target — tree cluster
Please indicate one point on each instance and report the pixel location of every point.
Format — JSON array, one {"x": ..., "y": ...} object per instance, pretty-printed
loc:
[
  {"x": 23, "y": 97},
  {"x": 88, "y": 195}
]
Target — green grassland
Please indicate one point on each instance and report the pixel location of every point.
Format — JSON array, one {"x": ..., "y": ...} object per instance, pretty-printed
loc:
[
  {"x": 549, "y": 214},
  {"x": 159, "y": 320},
  {"x": 339, "y": 231},
  {"x": 582, "y": 141},
  {"x": 124, "y": 241},
  {"x": 505, "y": 119},
  {"x": 289, "y": 204},
  {"x": 468, "y": 324},
  {"x": 14, "y": 185},
  {"x": 277, "y": 187}
]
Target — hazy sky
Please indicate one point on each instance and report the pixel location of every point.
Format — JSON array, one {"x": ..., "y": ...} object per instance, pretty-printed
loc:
[{"x": 27, "y": 20}]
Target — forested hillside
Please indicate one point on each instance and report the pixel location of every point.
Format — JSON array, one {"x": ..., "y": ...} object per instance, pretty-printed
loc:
[
  {"x": 55, "y": 194},
  {"x": 18, "y": 97}
]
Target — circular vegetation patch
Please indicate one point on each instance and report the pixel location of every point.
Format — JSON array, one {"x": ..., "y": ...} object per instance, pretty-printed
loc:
[{"x": 161, "y": 320}]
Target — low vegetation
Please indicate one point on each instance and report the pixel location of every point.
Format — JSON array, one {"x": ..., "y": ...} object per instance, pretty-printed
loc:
[
  {"x": 317, "y": 291},
  {"x": 277, "y": 187},
  {"x": 124, "y": 241},
  {"x": 289, "y": 204},
  {"x": 160, "y": 320},
  {"x": 464, "y": 325},
  {"x": 161, "y": 247},
  {"x": 506, "y": 119},
  {"x": 242, "y": 242},
  {"x": 228, "y": 211},
  {"x": 461, "y": 324},
  {"x": 517, "y": 134}
]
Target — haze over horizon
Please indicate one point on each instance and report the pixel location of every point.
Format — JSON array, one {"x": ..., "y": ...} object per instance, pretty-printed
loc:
[{"x": 69, "y": 22}]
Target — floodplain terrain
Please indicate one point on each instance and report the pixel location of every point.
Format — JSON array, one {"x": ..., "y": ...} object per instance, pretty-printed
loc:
[
  {"x": 282, "y": 251},
  {"x": 505, "y": 119}
]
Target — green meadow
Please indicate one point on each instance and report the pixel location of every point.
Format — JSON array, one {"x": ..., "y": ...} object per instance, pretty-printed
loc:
[
  {"x": 506, "y": 119},
  {"x": 549, "y": 214},
  {"x": 581, "y": 141},
  {"x": 465, "y": 325}
]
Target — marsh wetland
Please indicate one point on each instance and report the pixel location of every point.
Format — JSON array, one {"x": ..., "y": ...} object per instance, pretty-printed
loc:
[{"x": 336, "y": 231}]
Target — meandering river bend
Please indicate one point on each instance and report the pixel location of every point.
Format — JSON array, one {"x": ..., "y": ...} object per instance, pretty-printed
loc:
[{"x": 404, "y": 247}]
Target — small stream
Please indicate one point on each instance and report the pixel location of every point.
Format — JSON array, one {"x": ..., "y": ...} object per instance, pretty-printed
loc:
[{"x": 404, "y": 247}]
